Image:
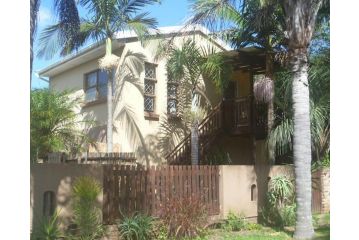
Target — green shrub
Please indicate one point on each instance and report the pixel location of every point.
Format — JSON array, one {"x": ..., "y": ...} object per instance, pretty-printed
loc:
[
  {"x": 48, "y": 229},
  {"x": 279, "y": 209},
  {"x": 234, "y": 222},
  {"x": 218, "y": 156},
  {"x": 87, "y": 215},
  {"x": 253, "y": 227},
  {"x": 281, "y": 191},
  {"x": 159, "y": 231},
  {"x": 185, "y": 217},
  {"x": 136, "y": 227},
  {"x": 324, "y": 163},
  {"x": 288, "y": 215}
]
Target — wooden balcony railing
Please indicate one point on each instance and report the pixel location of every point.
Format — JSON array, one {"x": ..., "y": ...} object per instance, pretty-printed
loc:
[
  {"x": 242, "y": 114},
  {"x": 238, "y": 116},
  {"x": 207, "y": 131}
]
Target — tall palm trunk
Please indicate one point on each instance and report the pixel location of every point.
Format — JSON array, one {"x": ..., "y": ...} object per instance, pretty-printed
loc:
[
  {"x": 300, "y": 16},
  {"x": 194, "y": 131},
  {"x": 194, "y": 143},
  {"x": 302, "y": 145},
  {"x": 109, "y": 100},
  {"x": 269, "y": 73},
  {"x": 34, "y": 9}
]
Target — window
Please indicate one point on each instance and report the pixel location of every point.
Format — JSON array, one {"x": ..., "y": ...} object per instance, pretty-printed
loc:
[
  {"x": 150, "y": 87},
  {"x": 95, "y": 85},
  {"x": 48, "y": 204},
  {"x": 171, "y": 98},
  {"x": 253, "y": 192}
]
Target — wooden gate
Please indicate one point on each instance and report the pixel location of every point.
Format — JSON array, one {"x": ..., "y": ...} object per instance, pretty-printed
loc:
[{"x": 129, "y": 189}]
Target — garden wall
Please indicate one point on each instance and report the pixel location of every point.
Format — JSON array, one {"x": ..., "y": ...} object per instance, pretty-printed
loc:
[
  {"x": 237, "y": 190},
  {"x": 240, "y": 187},
  {"x": 58, "y": 179}
]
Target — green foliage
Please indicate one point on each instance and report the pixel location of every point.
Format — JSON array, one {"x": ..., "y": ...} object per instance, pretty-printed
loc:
[
  {"x": 48, "y": 229},
  {"x": 187, "y": 67},
  {"x": 159, "y": 231},
  {"x": 185, "y": 217},
  {"x": 87, "y": 215},
  {"x": 217, "y": 156},
  {"x": 281, "y": 135},
  {"x": 281, "y": 190},
  {"x": 103, "y": 20},
  {"x": 234, "y": 222},
  {"x": 288, "y": 215},
  {"x": 136, "y": 227},
  {"x": 324, "y": 163},
  {"x": 280, "y": 207},
  {"x": 53, "y": 124}
]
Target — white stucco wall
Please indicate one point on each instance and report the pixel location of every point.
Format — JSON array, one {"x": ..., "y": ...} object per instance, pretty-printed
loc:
[{"x": 124, "y": 139}]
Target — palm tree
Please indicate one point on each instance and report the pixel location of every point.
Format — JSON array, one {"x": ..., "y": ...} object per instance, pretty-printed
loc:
[
  {"x": 34, "y": 9},
  {"x": 187, "y": 65},
  {"x": 301, "y": 16},
  {"x": 281, "y": 136},
  {"x": 68, "y": 17},
  {"x": 107, "y": 17},
  {"x": 254, "y": 23},
  {"x": 53, "y": 124}
]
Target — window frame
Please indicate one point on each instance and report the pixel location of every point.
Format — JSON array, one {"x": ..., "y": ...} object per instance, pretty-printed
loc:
[
  {"x": 97, "y": 87},
  {"x": 148, "y": 113},
  {"x": 171, "y": 83}
]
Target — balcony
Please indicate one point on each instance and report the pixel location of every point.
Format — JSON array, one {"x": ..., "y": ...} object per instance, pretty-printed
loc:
[{"x": 243, "y": 116}]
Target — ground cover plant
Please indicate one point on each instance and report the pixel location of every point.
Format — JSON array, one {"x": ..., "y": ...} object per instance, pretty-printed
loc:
[
  {"x": 235, "y": 222},
  {"x": 136, "y": 227},
  {"x": 185, "y": 217},
  {"x": 321, "y": 225},
  {"x": 48, "y": 229}
]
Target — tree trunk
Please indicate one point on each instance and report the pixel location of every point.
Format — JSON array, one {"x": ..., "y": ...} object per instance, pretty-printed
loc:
[
  {"x": 34, "y": 8},
  {"x": 109, "y": 100},
  {"x": 270, "y": 112},
  {"x": 194, "y": 129},
  {"x": 194, "y": 143},
  {"x": 302, "y": 145}
]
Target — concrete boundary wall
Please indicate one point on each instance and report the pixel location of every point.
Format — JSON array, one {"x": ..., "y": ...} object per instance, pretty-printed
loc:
[
  {"x": 240, "y": 187},
  {"x": 58, "y": 178}
]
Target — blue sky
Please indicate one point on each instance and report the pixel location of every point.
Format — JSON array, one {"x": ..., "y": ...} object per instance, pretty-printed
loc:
[{"x": 168, "y": 13}]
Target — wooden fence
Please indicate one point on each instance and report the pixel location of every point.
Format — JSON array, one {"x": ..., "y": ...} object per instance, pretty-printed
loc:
[{"x": 129, "y": 189}]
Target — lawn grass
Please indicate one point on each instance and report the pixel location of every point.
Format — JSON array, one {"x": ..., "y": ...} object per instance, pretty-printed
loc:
[
  {"x": 264, "y": 234},
  {"x": 322, "y": 232}
]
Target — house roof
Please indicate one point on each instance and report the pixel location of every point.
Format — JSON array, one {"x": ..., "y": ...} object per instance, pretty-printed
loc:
[
  {"x": 96, "y": 50},
  {"x": 250, "y": 58}
]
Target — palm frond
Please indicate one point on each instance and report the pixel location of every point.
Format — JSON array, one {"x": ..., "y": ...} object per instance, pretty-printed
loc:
[
  {"x": 214, "y": 14},
  {"x": 128, "y": 121}
]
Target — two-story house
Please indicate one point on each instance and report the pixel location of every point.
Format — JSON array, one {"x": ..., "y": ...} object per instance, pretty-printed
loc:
[{"x": 236, "y": 124}]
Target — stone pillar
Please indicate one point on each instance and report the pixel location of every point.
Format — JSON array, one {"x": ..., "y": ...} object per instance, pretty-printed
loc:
[{"x": 325, "y": 189}]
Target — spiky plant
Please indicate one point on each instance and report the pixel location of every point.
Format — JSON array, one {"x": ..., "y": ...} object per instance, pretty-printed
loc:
[
  {"x": 136, "y": 227},
  {"x": 48, "y": 229},
  {"x": 87, "y": 215}
]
